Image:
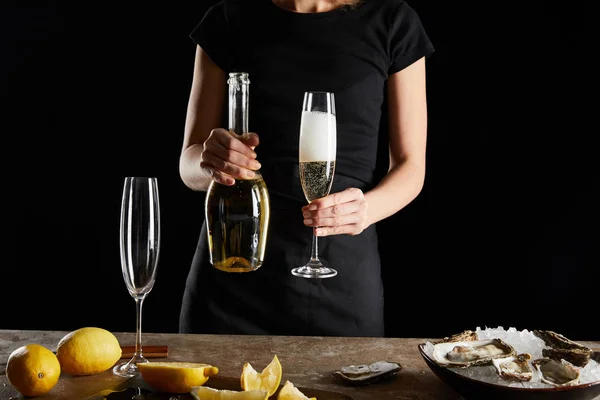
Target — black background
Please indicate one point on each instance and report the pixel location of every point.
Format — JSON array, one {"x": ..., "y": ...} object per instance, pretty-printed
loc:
[{"x": 500, "y": 236}]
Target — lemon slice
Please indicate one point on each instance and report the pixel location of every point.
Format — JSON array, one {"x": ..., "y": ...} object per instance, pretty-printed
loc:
[
  {"x": 208, "y": 393},
  {"x": 267, "y": 380},
  {"x": 291, "y": 392},
  {"x": 176, "y": 377}
]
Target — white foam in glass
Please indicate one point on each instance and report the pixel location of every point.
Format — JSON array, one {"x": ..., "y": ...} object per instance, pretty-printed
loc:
[{"x": 317, "y": 136}]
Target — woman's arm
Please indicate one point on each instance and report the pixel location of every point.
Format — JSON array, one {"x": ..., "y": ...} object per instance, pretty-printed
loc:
[
  {"x": 407, "y": 104},
  {"x": 350, "y": 211},
  {"x": 203, "y": 115}
]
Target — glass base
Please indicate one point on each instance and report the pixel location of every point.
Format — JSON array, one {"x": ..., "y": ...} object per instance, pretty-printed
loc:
[
  {"x": 314, "y": 270},
  {"x": 129, "y": 369}
]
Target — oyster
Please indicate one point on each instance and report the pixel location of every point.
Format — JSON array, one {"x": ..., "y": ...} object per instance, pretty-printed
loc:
[
  {"x": 469, "y": 353},
  {"x": 514, "y": 368},
  {"x": 561, "y": 348},
  {"x": 596, "y": 356},
  {"x": 557, "y": 373},
  {"x": 366, "y": 374}
]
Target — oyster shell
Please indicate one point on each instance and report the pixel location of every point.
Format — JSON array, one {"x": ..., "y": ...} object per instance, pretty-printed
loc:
[
  {"x": 576, "y": 357},
  {"x": 366, "y": 374},
  {"x": 557, "y": 373},
  {"x": 469, "y": 353},
  {"x": 514, "y": 368},
  {"x": 465, "y": 336},
  {"x": 596, "y": 356},
  {"x": 561, "y": 348}
]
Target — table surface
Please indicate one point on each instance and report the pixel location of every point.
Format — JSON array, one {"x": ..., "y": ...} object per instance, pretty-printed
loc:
[{"x": 307, "y": 362}]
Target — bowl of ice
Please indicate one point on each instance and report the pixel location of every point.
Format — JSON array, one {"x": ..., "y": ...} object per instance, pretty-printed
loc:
[{"x": 511, "y": 364}]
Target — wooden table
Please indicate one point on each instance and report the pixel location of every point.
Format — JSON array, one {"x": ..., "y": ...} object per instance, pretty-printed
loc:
[{"x": 306, "y": 361}]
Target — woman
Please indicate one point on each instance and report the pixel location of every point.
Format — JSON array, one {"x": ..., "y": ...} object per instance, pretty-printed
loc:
[{"x": 371, "y": 54}]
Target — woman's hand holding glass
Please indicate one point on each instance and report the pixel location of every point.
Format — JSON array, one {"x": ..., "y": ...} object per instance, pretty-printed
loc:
[
  {"x": 227, "y": 156},
  {"x": 340, "y": 213}
]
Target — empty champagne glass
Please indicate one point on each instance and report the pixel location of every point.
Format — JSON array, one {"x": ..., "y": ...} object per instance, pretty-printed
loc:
[
  {"x": 140, "y": 245},
  {"x": 318, "y": 144}
]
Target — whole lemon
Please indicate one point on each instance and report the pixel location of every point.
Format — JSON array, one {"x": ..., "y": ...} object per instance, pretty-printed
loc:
[
  {"x": 88, "y": 351},
  {"x": 33, "y": 370}
]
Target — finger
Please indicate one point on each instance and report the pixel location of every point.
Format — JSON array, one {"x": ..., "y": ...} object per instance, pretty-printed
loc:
[
  {"x": 352, "y": 229},
  {"x": 336, "y": 221},
  {"x": 344, "y": 196},
  {"x": 232, "y": 142},
  {"x": 226, "y": 167},
  {"x": 229, "y": 156},
  {"x": 216, "y": 175},
  {"x": 219, "y": 141},
  {"x": 335, "y": 210},
  {"x": 250, "y": 139}
]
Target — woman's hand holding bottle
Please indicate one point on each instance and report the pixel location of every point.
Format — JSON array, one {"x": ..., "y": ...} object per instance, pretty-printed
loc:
[{"x": 227, "y": 156}]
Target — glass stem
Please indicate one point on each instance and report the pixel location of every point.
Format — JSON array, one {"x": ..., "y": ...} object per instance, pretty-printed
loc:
[
  {"x": 138, "y": 325},
  {"x": 315, "y": 248}
]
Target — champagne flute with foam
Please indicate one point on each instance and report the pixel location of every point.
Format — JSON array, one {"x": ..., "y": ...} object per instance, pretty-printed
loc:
[{"x": 318, "y": 144}]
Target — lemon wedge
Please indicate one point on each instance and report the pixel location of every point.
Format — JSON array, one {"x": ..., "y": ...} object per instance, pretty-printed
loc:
[
  {"x": 291, "y": 392},
  {"x": 208, "y": 393},
  {"x": 176, "y": 377},
  {"x": 268, "y": 379}
]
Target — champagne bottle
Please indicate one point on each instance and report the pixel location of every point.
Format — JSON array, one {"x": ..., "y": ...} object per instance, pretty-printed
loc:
[{"x": 237, "y": 216}]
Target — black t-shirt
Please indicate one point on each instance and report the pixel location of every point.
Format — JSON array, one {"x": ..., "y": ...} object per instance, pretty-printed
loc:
[{"x": 350, "y": 52}]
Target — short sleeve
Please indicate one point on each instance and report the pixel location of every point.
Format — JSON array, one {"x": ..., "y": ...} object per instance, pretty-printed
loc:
[
  {"x": 212, "y": 35},
  {"x": 408, "y": 40}
]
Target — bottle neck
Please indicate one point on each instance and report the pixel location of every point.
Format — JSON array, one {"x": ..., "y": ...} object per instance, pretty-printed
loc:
[
  {"x": 238, "y": 106},
  {"x": 239, "y": 93}
]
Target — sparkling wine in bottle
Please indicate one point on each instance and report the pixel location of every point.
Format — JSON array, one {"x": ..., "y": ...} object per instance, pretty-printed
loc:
[{"x": 237, "y": 216}]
